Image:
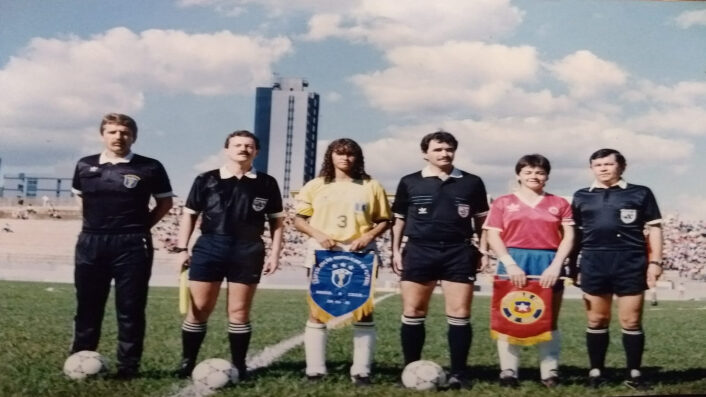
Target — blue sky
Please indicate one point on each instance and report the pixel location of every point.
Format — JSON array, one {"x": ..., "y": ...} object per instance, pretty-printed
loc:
[{"x": 562, "y": 78}]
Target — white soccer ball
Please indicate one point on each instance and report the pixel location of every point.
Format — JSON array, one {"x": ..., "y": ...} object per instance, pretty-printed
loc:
[
  {"x": 84, "y": 364},
  {"x": 423, "y": 375},
  {"x": 212, "y": 374}
]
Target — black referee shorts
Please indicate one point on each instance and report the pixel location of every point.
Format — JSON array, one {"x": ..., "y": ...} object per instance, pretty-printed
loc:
[
  {"x": 431, "y": 261},
  {"x": 613, "y": 272},
  {"x": 215, "y": 257}
]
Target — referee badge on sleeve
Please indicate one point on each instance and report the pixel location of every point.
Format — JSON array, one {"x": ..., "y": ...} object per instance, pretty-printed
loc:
[
  {"x": 259, "y": 203},
  {"x": 628, "y": 216},
  {"x": 464, "y": 210},
  {"x": 130, "y": 181}
]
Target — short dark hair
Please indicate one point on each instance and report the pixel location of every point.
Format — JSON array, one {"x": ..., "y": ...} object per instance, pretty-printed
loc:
[
  {"x": 244, "y": 133},
  {"x": 534, "y": 161},
  {"x": 120, "y": 119},
  {"x": 601, "y": 153},
  {"x": 441, "y": 136}
]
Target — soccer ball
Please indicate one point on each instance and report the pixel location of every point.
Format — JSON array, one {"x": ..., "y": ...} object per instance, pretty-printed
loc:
[
  {"x": 212, "y": 374},
  {"x": 423, "y": 375},
  {"x": 83, "y": 364}
]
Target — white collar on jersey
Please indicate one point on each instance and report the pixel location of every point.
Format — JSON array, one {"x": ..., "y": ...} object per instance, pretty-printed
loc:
[
  {"x": 103, "y": 158},
  {"x": 428, "y": 172},
  {"x": 621, "y": 184},
  {"x": 225, "y": 173}
]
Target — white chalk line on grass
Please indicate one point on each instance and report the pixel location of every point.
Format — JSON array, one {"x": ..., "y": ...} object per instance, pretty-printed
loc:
[{"x": 272, "y": 353}]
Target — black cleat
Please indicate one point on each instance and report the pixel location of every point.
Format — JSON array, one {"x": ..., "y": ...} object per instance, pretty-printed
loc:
[
  {"x": 551, "y": 382},
  {"x": 595, "y": 382},
  {"x": 508, "y": 378},
  {"x": 127, "y": 373},
  {"x": 361, "y": 380},
  {"x": 186, "y": 366},
  {"x": 315, "y": 378},
  {"x": 458, "y": 382},
  {"x": 637, "y": 383}
]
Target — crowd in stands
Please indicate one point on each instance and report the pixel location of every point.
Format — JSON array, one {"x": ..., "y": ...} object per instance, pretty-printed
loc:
[
  {"x": 684, "y": 241},
  {"x": 685, "y": 247}
]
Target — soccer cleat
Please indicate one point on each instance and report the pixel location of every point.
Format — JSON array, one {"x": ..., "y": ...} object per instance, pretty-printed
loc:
[
  {"x": 127, "y": 373},
  {"x": 637, "y": 383},
  {"x": 551, "y": 382},
  {"x": 594, "y": 382},
  {"x": 361, "y": 380},
  {"x": 458, "y": 382},
  {"x": 508, "y": 379},
  {"x": 186, "y": 366},
  {"x": 314, "y": 378}
]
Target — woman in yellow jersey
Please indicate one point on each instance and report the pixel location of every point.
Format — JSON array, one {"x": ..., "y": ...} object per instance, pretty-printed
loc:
[{"x": 342, "y": 209}]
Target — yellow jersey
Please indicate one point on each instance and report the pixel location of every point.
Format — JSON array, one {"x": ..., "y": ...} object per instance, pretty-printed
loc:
[{"x": 344, "y": 210}]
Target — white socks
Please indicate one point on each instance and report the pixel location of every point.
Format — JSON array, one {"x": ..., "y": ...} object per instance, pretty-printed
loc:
[
  {"x": 363, "y": 348},
  {"x": 549, "y": 356},
  {"x": 315, "y": 348},
  {"x": 509, "y": 356}
]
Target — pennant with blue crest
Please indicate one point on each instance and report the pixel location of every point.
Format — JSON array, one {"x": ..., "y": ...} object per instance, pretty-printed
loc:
[{"x": 341, "y": 284}]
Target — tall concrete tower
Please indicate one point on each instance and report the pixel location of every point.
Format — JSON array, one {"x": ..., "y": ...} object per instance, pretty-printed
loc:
[{"x": 286, "y": 123}]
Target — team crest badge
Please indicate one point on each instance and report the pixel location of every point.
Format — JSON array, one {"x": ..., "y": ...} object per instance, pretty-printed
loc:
[
  {"x": 553, "y": 210},
  {"x": 341, "y": 275},
  {"x": 259, "y": 203},
  {"x": 464, "y": 210},
  {"x": 130, "y": 181},
  {"x": 522, "y": 307},
  {"x": 628, "y": 216}
]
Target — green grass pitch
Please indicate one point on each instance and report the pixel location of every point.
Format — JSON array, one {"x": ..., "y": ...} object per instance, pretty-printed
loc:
[{"x": 35, "y": 332}]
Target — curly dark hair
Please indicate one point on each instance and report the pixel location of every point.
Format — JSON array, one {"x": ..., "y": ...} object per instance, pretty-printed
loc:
[{"x": 343, "y": 146}]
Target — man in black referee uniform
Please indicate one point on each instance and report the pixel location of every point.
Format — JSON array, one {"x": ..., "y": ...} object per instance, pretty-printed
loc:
[
  {"x": 115, "y": 187},
  {"x": 611, "y": 216},
  {"x": 436, "y": 208},
  {"x": 234, "y": 201}
]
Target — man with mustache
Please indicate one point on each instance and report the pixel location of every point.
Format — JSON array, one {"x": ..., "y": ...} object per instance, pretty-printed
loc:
[
  {"x": 438, "y": 208},
  {"x": 115, "y": 243}
]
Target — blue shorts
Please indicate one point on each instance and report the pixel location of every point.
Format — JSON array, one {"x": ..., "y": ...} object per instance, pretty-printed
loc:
[
  {"x": 432, "y": 261},
  {"x": 613, "y": 272},
  {"x": 215, "y": 257},
  {"x": 532, "y": 262}
]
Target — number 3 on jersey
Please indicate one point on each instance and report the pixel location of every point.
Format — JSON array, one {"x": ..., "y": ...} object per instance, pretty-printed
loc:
[{"x": 342, "y": 221}]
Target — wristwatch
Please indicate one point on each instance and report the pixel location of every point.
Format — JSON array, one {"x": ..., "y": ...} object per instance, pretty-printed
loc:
[
  {"x": 179, "y": 249},
  {"x": 658, "y": 263}
]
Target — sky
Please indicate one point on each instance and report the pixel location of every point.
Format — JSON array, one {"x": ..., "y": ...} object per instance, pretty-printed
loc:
[{"x": 558, "y": 77}]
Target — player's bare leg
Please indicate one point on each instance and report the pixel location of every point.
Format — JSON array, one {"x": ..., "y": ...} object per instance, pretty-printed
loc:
[
  {"x": 598, "y": 312},
  {"x": 240, "y": 298},
  {"x": 415, "y": 305}
]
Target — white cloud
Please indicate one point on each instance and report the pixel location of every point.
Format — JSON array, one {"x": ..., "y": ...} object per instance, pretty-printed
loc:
[
  {"x": 587, "y": 75},
  {"x": 458, "y": 76},
  {"x": 691, "y": 207},
  {"x": 683, "y": 93},
  {"x": 684, "y": 120},
  {"x": 688, "y": 19},
  {"x": 333, "y": 97},
  {"x": 390, "y": 23},
  {"x": 210, "y": 162},
  {"x": 54, "y": 88},
  {"x": 491, "y": 147}
]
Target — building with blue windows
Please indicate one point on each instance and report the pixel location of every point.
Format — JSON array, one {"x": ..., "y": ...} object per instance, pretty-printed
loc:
[{"x": 286, "y": 123}]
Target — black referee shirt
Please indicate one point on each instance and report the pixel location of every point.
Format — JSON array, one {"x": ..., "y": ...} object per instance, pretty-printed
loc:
[
  {"x": 116, "y": 196},
  {"x": 614, "y": 218},
  {"x": 232, "y": 206},
  {"x": 436, "y": 210}
]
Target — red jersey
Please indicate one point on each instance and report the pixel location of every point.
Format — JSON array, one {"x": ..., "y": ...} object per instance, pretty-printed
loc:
[{"x": 529, "y": 225}]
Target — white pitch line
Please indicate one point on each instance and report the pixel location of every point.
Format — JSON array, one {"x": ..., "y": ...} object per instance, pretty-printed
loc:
[{"x": 269, "y": 354}]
